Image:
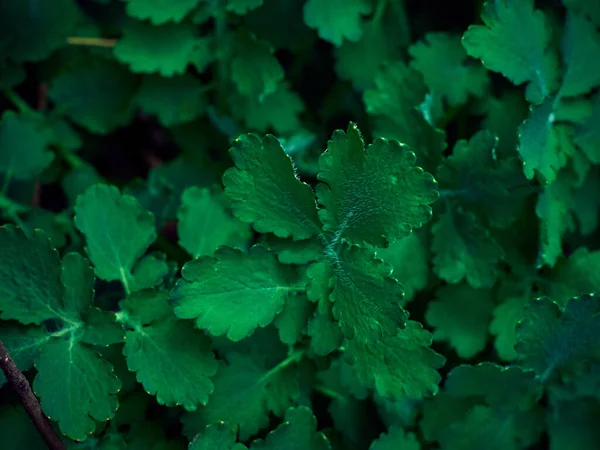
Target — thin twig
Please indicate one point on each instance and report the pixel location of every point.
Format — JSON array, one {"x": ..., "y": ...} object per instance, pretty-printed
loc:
[
  {"x": 92, "y": 42},
  {"x": 21, "y": 386}
]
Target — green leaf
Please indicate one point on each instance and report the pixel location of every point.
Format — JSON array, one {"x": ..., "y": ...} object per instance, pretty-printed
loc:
[
  {"x": 30, "y": 277},
  {"x": 581, "y": 45},
  {"x": 24, "y": 145},
  {"x": 590, "y": 9},
  {"x": 460, "y": 315},
  {"x": 160, "y": 11},
  {"x": 516, "y": 41},
  {"x": 338, "y": 19},
  {"x": 486, "y": 427},
  {"x": 76, "y": 386},
  {"x": 587, "y": 135},
  {"x": 551, "y": 338},
  {"x": 95, "y": 93},
  {"x": 292, "y": 320},
  {"x": 571, "y": 425},
  {"x": 326, "y": 335},
  {"x": 396, "y": 438},
  {"x": 78, "y": 278},
  {"x": 217, "y": 436},
  {"x": 395, "y": 102},
  {"x": 476, "y": 178},
  {"x": 166, "y": 49},
  {"x": 503, "y": 117},
  {"x": 576, "y": 276},
  {"x": 278, "y": 110},
  {"x": 242, "y": 6},
  {"x": 205, "y": 224},
  {"x": 174, "y": 100},
  {"x": 294, "y": 252},
  {"x": 149, "y": 272},
  {"x": 374, "y": 195},
  {"x": 164, "y": 351},
  {"x": 398, "y": 366},
  {"x": 245, "y": 392},
  {"x": 31, "y": 32},
  {"x": 254, "y": 68},
  {"x": 513, "y": 296},
  {"x": 264, "y": 190},
  {"x": 360, "y": 61},
  {"x": 23, "y": 345},
  {"x": 233, "y": 292},
  {"x": 507, "y": 388},
  {"x": 113, "y": 245},
  {"x": 340, "y": 378},
  {"x": 554, "y": 210},
  {"x": 366, "y": 298},
  {"x": 464, "y": 250},
  {"x": 544, "y": 145},
  {"x": 101, "y": 328},
  {"x": 297, "y": 432},
  {"x": 442, "y": 61},
  {"x": 409, "y": 258}
]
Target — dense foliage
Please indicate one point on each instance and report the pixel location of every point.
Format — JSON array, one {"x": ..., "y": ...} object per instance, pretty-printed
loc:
[{"x": 302, "y": 224}]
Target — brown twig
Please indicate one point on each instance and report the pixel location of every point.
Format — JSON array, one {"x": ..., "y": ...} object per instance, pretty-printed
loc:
[
  {"x": 92, "y": 42},
  {"x": 21, "y": 386}
]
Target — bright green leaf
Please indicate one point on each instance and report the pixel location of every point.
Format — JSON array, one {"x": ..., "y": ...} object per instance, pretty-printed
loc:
[
  {"x": 516, "y": 41},
  {"x": 337, "y": 20},
  {"x": 442, "y": 61},
  {"x": 233, "y": 292},
  {"x": 117, "y": 230},
  {"x": 245, "y": 392},
  {"x": 30, "y": 277},
  {"x": 163, "y": 351},
  {"x": 160, "y": 11},
  {"x": 76, "y": 386},
  {"x": 398, "y": 366},
  {"x": 262, "y": 178},
  {"x": 460, "y": 315},
  {"x": 166, "y": 49},
  {"x": 581, "y": 46},
  {"x": 219, "y": 436},
  {"x": 396, "y": 438},
  {"x": 297, "y": 432},
  {"x": 205, "y": 224},
  {"x": 374, "y": 194},
  {"x": 366, "y": 298}
]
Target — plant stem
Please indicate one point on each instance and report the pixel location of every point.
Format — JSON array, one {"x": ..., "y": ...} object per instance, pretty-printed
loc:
[
  {"x": 380, "y": 9},
  {"x": 292, "y": 358},
  {"x": 327, "y": 392},
  {"x": 92, "y": 42},
  {"x": 17, "y": 101},
  {"x": 21, "y": 386}
]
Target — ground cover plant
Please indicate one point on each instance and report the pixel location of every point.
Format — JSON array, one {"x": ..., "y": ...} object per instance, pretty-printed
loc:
[{"x": 299, "y": 224}]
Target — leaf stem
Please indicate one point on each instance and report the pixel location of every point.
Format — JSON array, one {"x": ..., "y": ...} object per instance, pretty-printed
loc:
[
  {"x": 92, "y": 42},
  {"x": 296, "y": 355},
  {"x": 21, "y": 386},
  {"x": 381, "y": 5},
  {"x": 328, "y": 392},
  {"x": 17, "y": 101}
]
